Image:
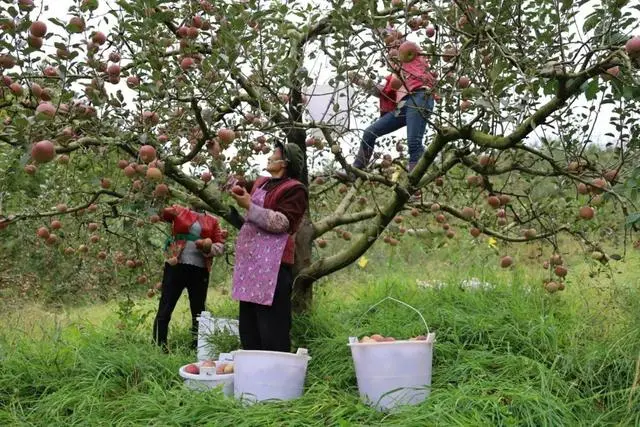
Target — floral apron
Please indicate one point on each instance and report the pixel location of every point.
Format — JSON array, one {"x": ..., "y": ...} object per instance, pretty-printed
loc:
[{"x": 258, "y": 259}]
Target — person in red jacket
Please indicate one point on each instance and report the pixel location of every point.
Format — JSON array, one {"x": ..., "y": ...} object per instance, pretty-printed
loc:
[
  {"x": 189, "y": 258},
  {"x": 405, "y": 100},
  {"x": 262, "y": 276}
]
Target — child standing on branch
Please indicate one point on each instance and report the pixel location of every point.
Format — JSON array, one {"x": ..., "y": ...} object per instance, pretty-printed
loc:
[{"x": 405, "y": 100}]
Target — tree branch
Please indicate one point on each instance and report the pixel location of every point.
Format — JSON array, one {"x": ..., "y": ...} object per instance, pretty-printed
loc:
[
  {"x": 96, "y": 196},
  {"x": 329, "y": 223},
  {"x": 206, "y": 135},
  {"x": 456, "y": 213}
]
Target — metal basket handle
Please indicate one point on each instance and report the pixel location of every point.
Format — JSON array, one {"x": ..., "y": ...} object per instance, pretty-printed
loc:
[{"x": 399, "y": 302}]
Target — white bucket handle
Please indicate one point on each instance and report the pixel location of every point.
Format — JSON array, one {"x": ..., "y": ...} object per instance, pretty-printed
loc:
[{"x": 399, "y": 302}]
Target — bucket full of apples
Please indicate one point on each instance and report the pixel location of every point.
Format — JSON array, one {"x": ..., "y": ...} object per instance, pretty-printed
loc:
[
  {"x": 393, "y": 372},
  {"x": 208, "y": 374}
]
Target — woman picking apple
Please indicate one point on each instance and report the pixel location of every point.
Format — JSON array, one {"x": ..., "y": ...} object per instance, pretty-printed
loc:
[
  {"x": 195, "y": 239},
  {"x": 405, "y": 100},
  {"x": 262, "y": 276}
]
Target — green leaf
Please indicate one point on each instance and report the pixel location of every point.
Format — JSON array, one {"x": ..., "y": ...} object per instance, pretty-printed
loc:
[
  {"x": 592, "y": 89},
  {"x": 57, "y": 22},
  {"x": 632, "y": 219},
  {"x": 591, "y": 22}
]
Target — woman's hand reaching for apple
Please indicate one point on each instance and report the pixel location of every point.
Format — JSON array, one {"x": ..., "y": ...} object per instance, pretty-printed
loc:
[{"x": 242, "y": 197}]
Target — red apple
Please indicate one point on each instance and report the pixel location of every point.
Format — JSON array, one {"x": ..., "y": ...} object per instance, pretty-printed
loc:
[
  {"x": 556, "y": 259},
  {"x": 408, "y": 51},
  {"x": 430, "y": 31},
  {"x": 133, "y": 82},
  {"x": 396, "y": 83},
  {"x": 552, "y": 287},
  {"x": 150, "y": 117},
  {"x": 560, "y": 271},
  {"x": 50, "y": 71},
  {"x": 192, "y": 369},
  {"x": 99, "y": 38},
  {"x": 610, "y": 175},
  {"x": 43, "y": 151},
  {"x": 113, "y": 70},
  {"x": 633, "y": 47},
  {"x": 129, "y": 171},
  {"x": 187, "y": 63},
  {"x": 493, "y": 201},
  {"x": 611, "y": 73},
  {"x": 45, "y": 110},
  {"x": 506, "y": 261},
  {"x": 582, "y": 188},
  {"x": 449, "y": 53},
  {"x": 504, "y": 199},
  {"x": 464, "y": 82},
  {"x": 161, "y": 190},
  {"x": 192, "y": 32},
  {"x": 226, "y": 136},
  {"x": 147, "y": 153},
  {"x": 43, "y": 233},
  {"x": 76, "y": 25},
  {"x": 154, "y": 174},
  {"x": 468, "y": 212},
  {"x": 16, "y": 89},
  {"x": 587, "y": 212},
  {"x": 7, "y": 61},
  {"x": 25, "y": 4},
  {"x": 35, "y": 42}
]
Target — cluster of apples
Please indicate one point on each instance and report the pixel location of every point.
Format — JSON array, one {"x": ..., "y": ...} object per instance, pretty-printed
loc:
[
  {"x": 221, "y": 367},
  {"x": 381, "y": 338}
]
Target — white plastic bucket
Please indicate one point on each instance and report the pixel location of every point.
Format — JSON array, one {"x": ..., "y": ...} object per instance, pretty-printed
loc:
[
  {"x": 394, "y": 373},
  {"x": 269, "y": 375},
  {"x": 208, "y": 325},
  {"x": 203, "y": 382},
  {"x": 391, "y": 374}
]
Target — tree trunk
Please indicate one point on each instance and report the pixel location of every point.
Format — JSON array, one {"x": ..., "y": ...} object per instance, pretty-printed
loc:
[{"x": 303, "y": 286}]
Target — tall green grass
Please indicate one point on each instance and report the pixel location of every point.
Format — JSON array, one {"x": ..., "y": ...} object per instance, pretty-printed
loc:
[{"x": 510, "y": 355}]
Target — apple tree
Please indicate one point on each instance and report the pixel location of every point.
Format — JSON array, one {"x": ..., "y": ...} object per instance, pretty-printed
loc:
[{"x": 116, "y": 109}]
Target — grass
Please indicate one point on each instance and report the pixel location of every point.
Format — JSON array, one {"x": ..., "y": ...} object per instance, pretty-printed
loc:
[{"x": 510, "y": 355}]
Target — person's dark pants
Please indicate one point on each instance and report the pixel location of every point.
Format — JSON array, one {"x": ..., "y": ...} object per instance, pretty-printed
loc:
[
  {"x": 174, "y": 280},
  {"x": 264, "y": 327}
]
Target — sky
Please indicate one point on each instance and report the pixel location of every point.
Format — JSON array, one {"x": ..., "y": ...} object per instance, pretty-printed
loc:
[{"x": 59, "y": 8}]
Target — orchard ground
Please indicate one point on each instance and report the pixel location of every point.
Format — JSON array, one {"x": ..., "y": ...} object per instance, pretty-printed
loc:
[{"x": 508, "y": 354}]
